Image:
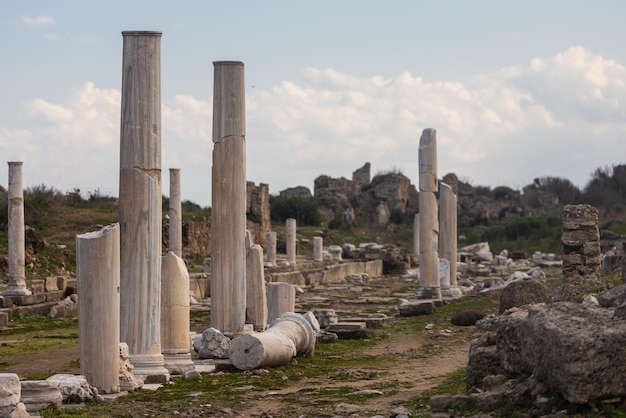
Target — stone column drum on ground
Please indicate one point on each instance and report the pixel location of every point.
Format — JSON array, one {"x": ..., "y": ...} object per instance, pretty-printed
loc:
[
  {"x": 140, "y": 204},
  {"x": 318, "y": 249},
  {"x": 256, "y": 298},
  {"x": 290, "y": 234},
  {"x": 428, "y": 219},
  {"x": 175, "y": 343},
  {"x": 448, "y": 237},
  {"x": 270, "y": 248},
  {"x": 228, "y": 212},
  {"x": 17, "y": 253},
  {"x": 175, "y": 230},
  {"x": 98, "y": 283}
]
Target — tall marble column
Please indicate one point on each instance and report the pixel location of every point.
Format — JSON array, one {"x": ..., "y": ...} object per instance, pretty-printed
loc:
[
  {"x": 98, "y": 281},
  {"x": 140, "y": 204},
  {"x": 290, "y": 233},
  {"x": 17, "y": 253},
  {"x": 228, "y": 212},
  {"x": 428, "y": 217},
  {"x": 175, "y": 230},
  {"x": 448, "y": 236},
  {"x": 270, "y": 247}
]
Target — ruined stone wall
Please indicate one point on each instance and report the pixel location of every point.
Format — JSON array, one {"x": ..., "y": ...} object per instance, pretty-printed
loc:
[
  {"x": 258, "y": 211},
  {"x": 581, "y": 240}
]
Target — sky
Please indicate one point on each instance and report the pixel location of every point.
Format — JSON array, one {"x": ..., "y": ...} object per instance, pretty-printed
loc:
[{"x": 515, "y": 90}]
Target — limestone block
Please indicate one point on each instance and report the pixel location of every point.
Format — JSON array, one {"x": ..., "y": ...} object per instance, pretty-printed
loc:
[
  {"x": 74, "y": 388},
  {"x": 4, "y": 320},
  {"x": 127, "y": 379},
  {"x": 67, "y": 308},
  {"x": 36, "y": 286},
  {"x": 416, "y": 307},
  {"x": 61, "y": 282},
  {"x": 38, "y": 394},
  {"x": 326, "y": 317},
  {"x": 19, "y": 412},
  {"x": 335, "y": 252},
  {"x": 10, "y": 392},
  {"x": 211, "y": 344},
  {"x": 50, "y": 284}
]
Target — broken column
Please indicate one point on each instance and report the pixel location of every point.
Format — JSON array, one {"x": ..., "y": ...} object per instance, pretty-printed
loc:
[
  {"x": 175, "y": 229},
  {"x": 17, "y": 271},
  {"x": 290, "y": 233},
  {"x": 175, "y": 344},
  {"x": 140, "y": 204},
  {"x": 256, "y": 299},
  {"x": 288, "y": 336},
  {"x": 448, "y": 238},
  {"x": 98, "y": 283},
  {"x": 270, "y": 248},
  {"x": 281, "y": 298},
  {"x": 228, "y": 212},
  {"x": 428, "y": 219},
  {"x": 318, "y": 249}
]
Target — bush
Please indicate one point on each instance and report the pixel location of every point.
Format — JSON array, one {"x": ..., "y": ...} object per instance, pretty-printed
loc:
[{"x": 304, "y": 211}]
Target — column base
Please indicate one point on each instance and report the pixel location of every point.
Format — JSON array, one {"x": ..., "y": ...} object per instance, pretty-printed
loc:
[
  {"x": 429, "y": 293},
  {"x": 149, "y": 368},
  {"x": 451, "y": 293},
  {"x": 181, "y": 364},
  {"x": 17, "y": 290}
]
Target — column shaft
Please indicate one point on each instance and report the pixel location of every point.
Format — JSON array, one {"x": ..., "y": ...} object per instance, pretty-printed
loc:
[
  {"x": 140, "y": 204},
  {"x": 17, "y": 253},
  {"x": 175, "y": 230}
]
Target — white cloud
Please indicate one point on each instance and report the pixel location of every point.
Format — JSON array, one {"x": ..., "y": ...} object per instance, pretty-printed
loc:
[
  {"x": 560, "y": 116},
  {"x": 37, "y": 22}
]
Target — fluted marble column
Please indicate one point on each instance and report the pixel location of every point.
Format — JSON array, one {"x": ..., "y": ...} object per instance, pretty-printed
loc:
[
  {"x": 175, "y": 230},
  {"x": 140, "y": 204},
  {"x": 428, "y": 217},
  {"x": 290, "y": 233},
  {"x": 98, "y": 281},
  {"x": 448, "y": 237},
  {"x": 228, "y": 212},
  {"x": 17, "y": 253}
]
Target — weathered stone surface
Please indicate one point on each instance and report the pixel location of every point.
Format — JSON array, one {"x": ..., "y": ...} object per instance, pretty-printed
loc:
[
  {"x": 614, "y": 297},
  {"x": 299, "y": 192},
  {"x": 256, "y": 298},
  {"x": 325, "y": 317},
  {"x": 211, "y": 344},
  {"x": 523, "y": 292},
  {"x": 98, "y": 278},
  {"x": 4, "y": 320},
  {"x": 281, "y": 298},
  {"x": 258, "y": 210},
  {"x": 128, "y": 381},
  {"x": 74, "y": 388},
  {"x": 575, "y": 350},
  {"x": 175, "y": 212},
  {"x": 16, "y": 232},
  {"x": 19, "y": 412},
  {"x": 10, "y": 392},
  {"x": 361, "y": 176},
  {"x": 581, "y": 240},
  {"x": 38, "y": 394},
  {"x": 67, "y": 308},
  {"x": 416, "y": 307}
]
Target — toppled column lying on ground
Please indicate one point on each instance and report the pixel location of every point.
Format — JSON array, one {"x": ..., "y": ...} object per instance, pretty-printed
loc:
[
  {"x": 288, "y": 336},
  {"x": 98, "y": 281}
]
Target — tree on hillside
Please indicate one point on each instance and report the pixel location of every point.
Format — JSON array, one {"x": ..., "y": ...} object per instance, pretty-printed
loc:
[{"x": 607, "y": 186}]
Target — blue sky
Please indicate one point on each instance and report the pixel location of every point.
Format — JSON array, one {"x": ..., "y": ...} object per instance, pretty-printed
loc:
[{"x": 516, "y": 90}]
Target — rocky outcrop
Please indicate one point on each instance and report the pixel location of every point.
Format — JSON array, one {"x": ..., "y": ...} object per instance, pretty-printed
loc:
[
  {"x": 389, "y": 197},
  {"x": 299, "y": 192},
  {"x": 543, "y": 353},
  {"x": 362, "y": 176},
  {"x": 522, "y": 293},
  {"x": 333, "y": 195}
]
